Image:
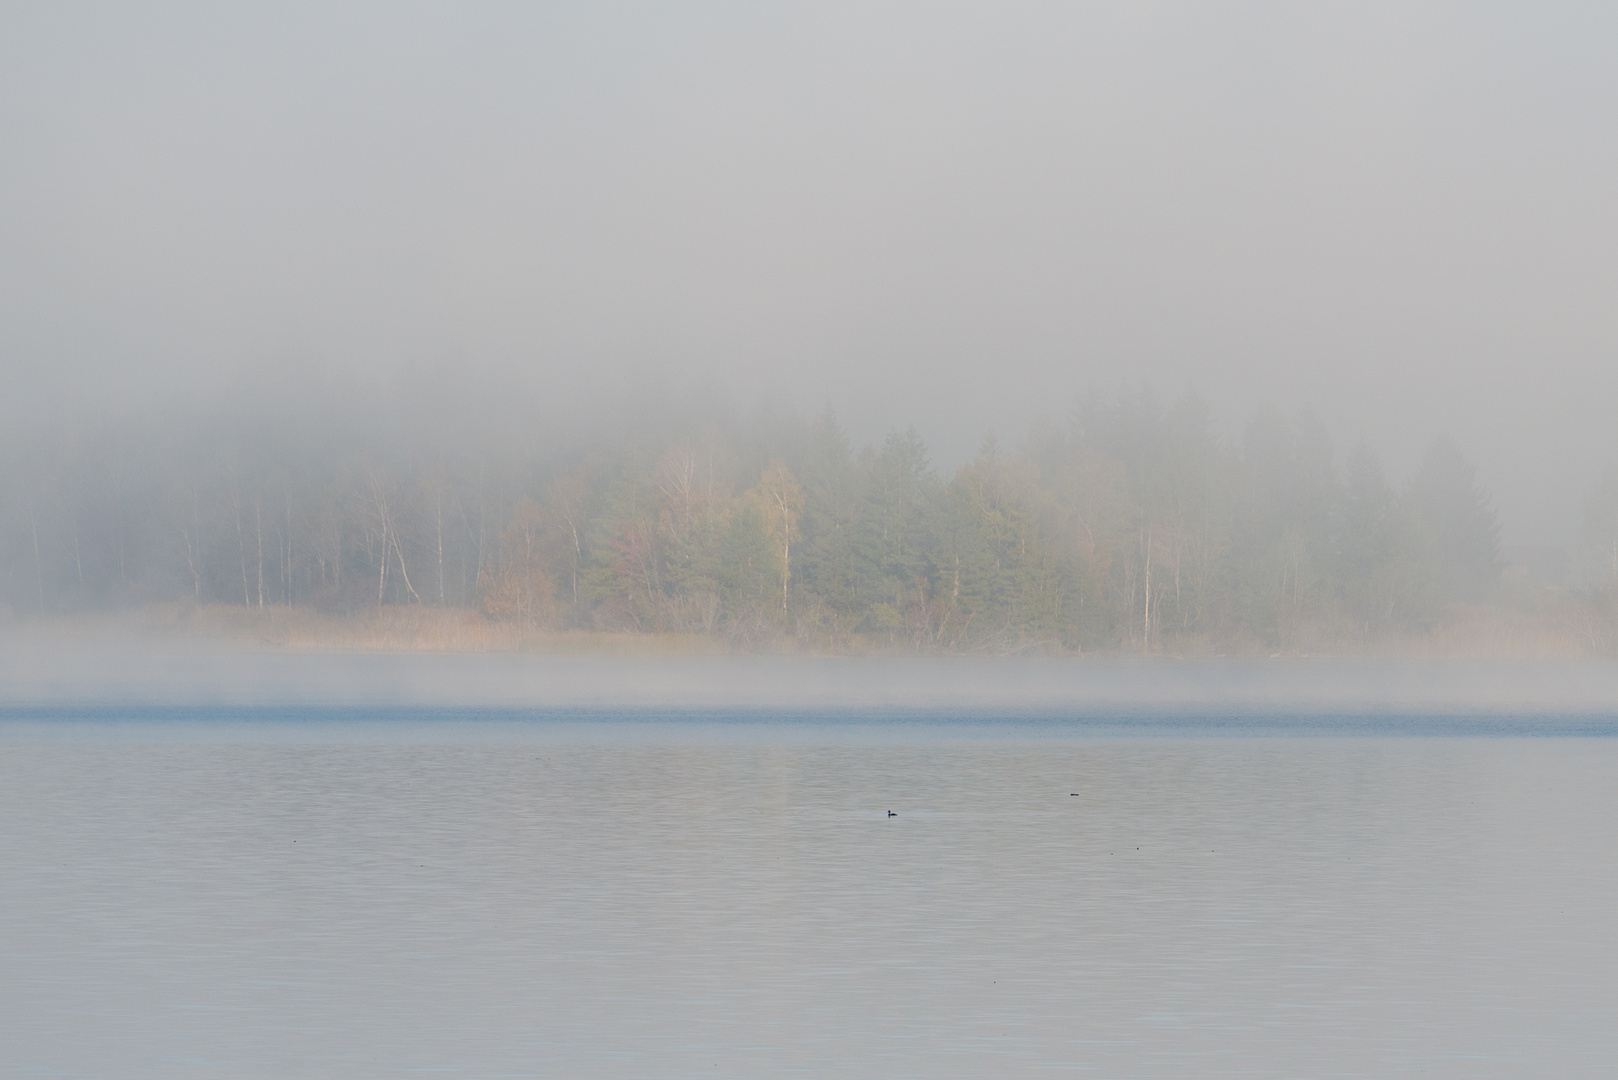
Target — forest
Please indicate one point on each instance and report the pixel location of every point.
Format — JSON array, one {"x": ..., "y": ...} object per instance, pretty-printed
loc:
[{"x": 1125, "y": 526}]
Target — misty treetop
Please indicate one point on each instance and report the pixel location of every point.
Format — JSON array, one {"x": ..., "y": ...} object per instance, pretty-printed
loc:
[{"x": 1129, "y": 526}]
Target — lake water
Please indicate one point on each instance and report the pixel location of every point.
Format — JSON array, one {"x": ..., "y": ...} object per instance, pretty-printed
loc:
[{"x": 373, "y": 892}]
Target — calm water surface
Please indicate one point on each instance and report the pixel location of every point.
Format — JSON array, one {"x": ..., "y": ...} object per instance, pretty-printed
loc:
[{"x": 338, "y": 894}]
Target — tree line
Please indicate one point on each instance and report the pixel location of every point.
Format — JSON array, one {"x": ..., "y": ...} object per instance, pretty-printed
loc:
[{"x": 1127, "y": 526}]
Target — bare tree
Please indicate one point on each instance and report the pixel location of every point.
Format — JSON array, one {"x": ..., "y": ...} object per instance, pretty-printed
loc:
[
  {"x": 192, "y": 539},
  {"x": 241, "y": 543},
  {"x": 783, "y": 499},
  {"x": 390, "y": 542},
  {"x": 39, "y": 571},
  {"x": 568, "y": 497},
  {"x": 258, "y": 528}
]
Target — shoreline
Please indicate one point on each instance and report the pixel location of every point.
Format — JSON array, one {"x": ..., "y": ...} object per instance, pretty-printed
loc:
[{"x": 1474, "y": 634}]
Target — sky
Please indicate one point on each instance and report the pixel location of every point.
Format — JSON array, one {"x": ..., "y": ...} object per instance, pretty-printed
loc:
[{"x": 1398, "y": 217}]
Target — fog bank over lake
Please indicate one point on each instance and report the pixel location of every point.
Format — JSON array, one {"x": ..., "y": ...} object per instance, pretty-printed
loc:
[{"x": 44, "y": 669}]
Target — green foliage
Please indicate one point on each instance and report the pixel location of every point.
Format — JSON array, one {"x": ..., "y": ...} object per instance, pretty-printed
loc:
[
  {"x": 828, "y": 564},
  {"x": 1600, "y": 531},
  {"x": 1382, "y": 581},
  {"x": 892, "y": 531},
  {"x": 1009, "y": 566},
  {"x": 1458, "y": 527}
]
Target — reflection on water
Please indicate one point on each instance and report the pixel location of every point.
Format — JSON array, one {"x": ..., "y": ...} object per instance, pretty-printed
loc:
[{"x": 1168, "y": 906}]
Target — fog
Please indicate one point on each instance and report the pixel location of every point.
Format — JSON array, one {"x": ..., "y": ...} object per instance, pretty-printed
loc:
[
  {"x": 948, "y": 216},
  {"x": 80, "y": 672}
]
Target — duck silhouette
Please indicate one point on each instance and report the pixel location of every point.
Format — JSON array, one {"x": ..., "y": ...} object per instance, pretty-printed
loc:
[{"x": 892, "y": 814}]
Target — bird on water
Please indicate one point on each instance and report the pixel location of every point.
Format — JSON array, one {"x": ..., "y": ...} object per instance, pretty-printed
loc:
[{"x": 892, "y": 814}]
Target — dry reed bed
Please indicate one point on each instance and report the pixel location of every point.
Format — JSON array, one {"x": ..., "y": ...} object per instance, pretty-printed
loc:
[{"x": 1481, "y": 633}]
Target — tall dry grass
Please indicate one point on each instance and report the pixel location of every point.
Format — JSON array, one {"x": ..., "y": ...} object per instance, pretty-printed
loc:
[{"x": 1562, "y": 632}]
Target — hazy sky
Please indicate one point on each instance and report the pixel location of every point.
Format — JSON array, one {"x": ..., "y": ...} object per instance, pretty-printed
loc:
[{"x": 1403, "y": 216}]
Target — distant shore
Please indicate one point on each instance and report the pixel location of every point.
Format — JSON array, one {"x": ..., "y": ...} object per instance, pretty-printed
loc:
[{"x": 1480, "y": 633}]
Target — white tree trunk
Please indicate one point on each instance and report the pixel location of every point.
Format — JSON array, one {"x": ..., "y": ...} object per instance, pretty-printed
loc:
[
  {"x": 1146, "y": 607},
  {"x": 258, "y": 524}
]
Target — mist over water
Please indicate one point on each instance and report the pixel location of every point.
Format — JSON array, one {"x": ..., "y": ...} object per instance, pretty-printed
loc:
[{"x": 111, "y": 672}]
